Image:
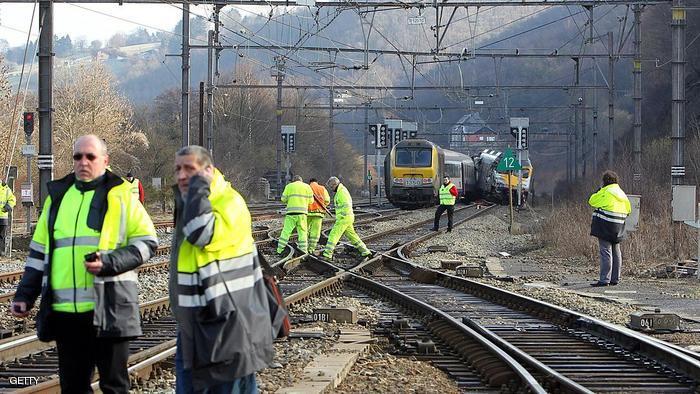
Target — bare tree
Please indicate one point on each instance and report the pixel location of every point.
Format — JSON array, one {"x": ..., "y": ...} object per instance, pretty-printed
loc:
[{"x": 86, "y": 101}]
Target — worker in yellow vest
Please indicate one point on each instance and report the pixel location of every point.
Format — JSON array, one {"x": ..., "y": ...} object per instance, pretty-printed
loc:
[
  {"x": 297, "y": 195},
  {"x": 136, "y": 187},
  {"x": 317, "y": 211},
  {"x": 217, "y": 291},
  {"x": 7, "y": 203},
  {"x": 448, "y": 196},
  {"x": 344, "y": 221},
  {"x": 91, "y": 235}
]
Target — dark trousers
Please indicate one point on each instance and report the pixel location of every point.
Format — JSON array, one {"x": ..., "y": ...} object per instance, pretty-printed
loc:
[
  {"x": 79, "y": 351},
  {"x": 450, "y": 211},
  {"x": 3, "y": 235}
]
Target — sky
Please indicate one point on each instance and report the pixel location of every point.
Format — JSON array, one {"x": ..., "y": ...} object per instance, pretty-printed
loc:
[{"x": 81, "y": 20}]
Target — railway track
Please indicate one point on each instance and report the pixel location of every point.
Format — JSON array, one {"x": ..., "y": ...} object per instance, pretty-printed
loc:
[
  {"x": 300, "y": 283},
  {"x": 565, "y": 350}
]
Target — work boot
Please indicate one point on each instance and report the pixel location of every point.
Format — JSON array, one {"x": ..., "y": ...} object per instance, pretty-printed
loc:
[
  {"x": 434, "y": 229},
  {"x": 368, "y": 256}
]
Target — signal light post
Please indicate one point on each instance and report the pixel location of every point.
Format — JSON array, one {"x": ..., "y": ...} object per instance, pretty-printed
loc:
[
  {"x": 519, "y": 129},
  {"x": 28, "y": 151}
]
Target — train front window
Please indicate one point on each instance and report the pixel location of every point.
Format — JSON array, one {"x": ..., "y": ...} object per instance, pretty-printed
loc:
[
  {"x": 423, "y": 158},
  {"x": 404, "y": 158},
  {"x": 414, "y": 157}
]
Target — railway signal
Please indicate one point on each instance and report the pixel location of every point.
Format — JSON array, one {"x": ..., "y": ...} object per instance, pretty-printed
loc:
[
  {"x": 397, "y": 136},
  {"x": 28, "y": 118},
  {"x": 373, "y": 128},
  {"x": 289, "y": 138},
  {"x": 382, "y": 140},
  {"x": 522, "y": 138},
  {"x": 518, "y": 129}
]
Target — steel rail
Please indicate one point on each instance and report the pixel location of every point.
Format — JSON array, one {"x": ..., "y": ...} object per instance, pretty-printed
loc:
[
  {"x": 143, "y": 363},
  {"x": 408, "y": 302},
  {"x": 628, "y": 339}
]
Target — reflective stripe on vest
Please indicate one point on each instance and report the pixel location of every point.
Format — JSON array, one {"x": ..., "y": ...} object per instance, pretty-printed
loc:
[
  {"x": 200, "y": 269},
  {"x": 446, "y": 198},
  {"x": 610, "y": 216},
  {"x": 298, "y": 195},
  {"x": 71, "y": 284},
  {"x": 343, "y": 202},
  {"x": 217, "y": 279}
]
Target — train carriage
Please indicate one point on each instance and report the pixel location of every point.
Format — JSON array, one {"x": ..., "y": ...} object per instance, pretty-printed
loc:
[{"x": 494, "y": 185}]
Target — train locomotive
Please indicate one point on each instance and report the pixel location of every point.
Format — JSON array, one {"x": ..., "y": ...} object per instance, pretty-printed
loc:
[{"x": 413, "y": 171}]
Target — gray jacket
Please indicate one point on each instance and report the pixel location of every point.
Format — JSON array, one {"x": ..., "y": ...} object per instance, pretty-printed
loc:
[
  {"x": 115, "y": 292},
  {"x": 227, "y": 335}
]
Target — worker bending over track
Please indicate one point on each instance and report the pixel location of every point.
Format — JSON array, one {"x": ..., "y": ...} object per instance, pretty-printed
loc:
[
  {"x": 317, "y": 211},
  {"x": 344, "y": 220},
  {"x": 297, "y": 195}
]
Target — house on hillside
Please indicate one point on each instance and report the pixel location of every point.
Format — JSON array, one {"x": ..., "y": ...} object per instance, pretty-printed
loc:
[
  {"x": 143, "y": 51},
  {"x": 469, "y": 129}
]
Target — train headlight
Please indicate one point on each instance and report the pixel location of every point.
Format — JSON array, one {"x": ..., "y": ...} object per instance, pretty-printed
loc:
[
  {"x": 398, "y": 181},
  {"x": 427, "y": 181}
]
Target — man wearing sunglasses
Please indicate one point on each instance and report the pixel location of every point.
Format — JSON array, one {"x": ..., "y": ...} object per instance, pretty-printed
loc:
[{"x": 91, "y": 235}]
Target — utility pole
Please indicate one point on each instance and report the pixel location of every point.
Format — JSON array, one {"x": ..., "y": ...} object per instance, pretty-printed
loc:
[
  {"x": 611, "y": 102},
  {"x": 210, "y": 92},
  {"x": 45, "y": 157},
  {"x": 569, "y": 149},
  {"x": 595, "y": 102},
  {"x": 577, "y": 70},
  {"x": 584, "y": 145},
  {"x": 185, "y": 57},
  {"x": 637, "y": 97},
  {"x": 365, "y": 133},
  {"x": 201, "y": 113},
  {"x": 330, "y": 127},
  {"x": 678, "y": 92},
  {"x": 279, "y": 63}
]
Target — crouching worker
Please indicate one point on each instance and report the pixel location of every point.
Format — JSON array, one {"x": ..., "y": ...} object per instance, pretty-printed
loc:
[{"x": 217, "y": 293}]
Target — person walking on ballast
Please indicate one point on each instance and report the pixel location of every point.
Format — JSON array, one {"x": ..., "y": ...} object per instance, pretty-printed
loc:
[
  {"x": 608, "y": 225},
  {"x": 448, "y": 196},
  {"x": 344, "y": 221},
  {"x": 317, "y": 211},
  {"x": 297, "y": 195}
]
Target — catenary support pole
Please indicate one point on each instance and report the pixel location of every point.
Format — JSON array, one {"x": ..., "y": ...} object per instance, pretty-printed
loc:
[
  {"x": 594, "y": 142},
  {"x": 637, "y": 97},
  {"x": 678, "y": 92},
  {"x": 279, "y": 62},
  {"x": 45, "y": 158},
  {"x": 201, "y": 113},
  {"x": 185, "y": 57},
  {"x": 331, "y": 93},
  {"x": 365, "y": 132},
  {"x": 210, "y": 93},
  {"x": 577, "y": 148},
  {"x": 611, "y": 102}
]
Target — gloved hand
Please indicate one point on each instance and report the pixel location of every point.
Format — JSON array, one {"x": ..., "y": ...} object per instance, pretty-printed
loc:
[{"x": 7, "y": 207}]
